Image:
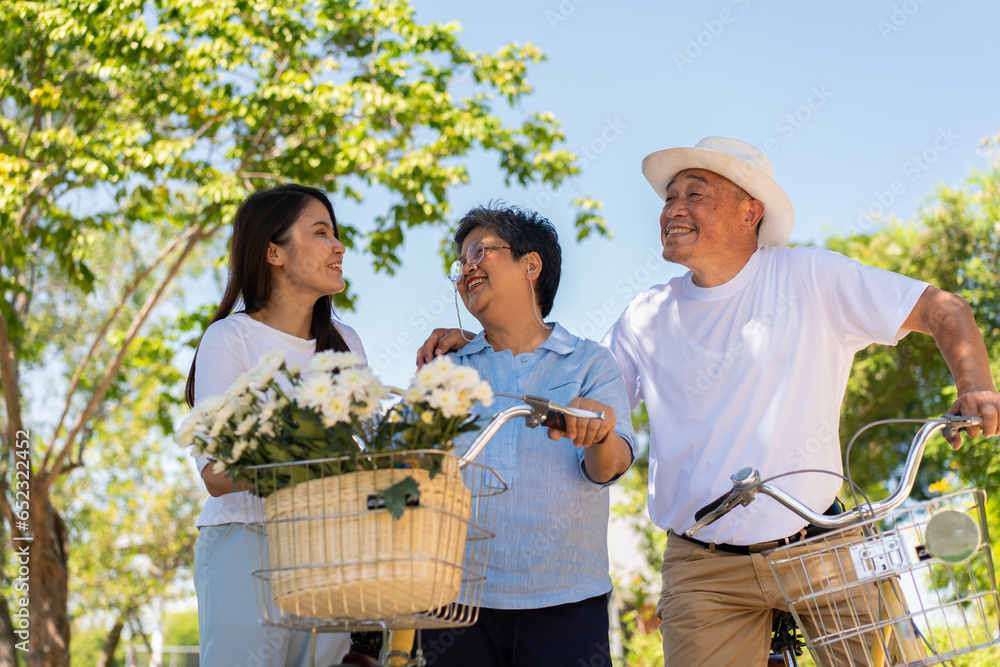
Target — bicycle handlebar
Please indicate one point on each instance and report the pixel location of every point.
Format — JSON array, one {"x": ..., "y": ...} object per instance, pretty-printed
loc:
[
  {"x": 747, "y": 484},
  {"x": 537, "y": 411}
]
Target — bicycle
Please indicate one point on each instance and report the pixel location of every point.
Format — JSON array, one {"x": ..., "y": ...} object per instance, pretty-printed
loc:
[
  {"x": 361, "y": 570},
  {"x": 902, "y": 583}
]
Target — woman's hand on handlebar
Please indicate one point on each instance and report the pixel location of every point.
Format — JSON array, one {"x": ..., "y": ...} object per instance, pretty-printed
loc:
[
  {"x": 985, "y": 404},
  {"x": 586, "y": 432},
  {"x": 442, "y": 341}
]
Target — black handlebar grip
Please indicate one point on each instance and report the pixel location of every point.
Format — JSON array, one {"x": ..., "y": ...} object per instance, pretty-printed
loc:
[
  {"x": 554, "y": 419},
  {"x": 712, "y": 506}
]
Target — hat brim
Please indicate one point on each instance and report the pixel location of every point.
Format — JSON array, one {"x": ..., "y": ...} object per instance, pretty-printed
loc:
[{"x": 661, "y": 167}]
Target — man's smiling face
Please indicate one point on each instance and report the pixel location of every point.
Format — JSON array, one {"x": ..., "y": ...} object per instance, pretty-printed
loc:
[{"x": 701, "y": 220}]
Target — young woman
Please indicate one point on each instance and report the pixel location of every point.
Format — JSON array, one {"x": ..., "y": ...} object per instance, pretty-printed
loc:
[
  {"x": 545, "y": 598},
  {"x": 285, "y": 261}
]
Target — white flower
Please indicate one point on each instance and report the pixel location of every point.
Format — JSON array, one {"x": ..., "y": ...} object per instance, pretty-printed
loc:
[
  {"x": 238, "y": 449},
  {"x": 464, "y": 377},
  {"x": 228, "y": 409},
  {"x": 185, "y": 435},
  {"x": 425, "y": 379},
  {"x": 267, "y": 410},
  {"x": 241, "y": 385},
  {"x": 209, "y": 446},
  {"x": 314, "y": 391},
  {"x": 246, "y": 425},
  {"x": 447, "y": 402},
  {"x": 327, "y": 360},
  {"x": 211, "y": 405},
  {"x": 483, "y": 393},
  {"x": 427, "y": 417},
  {"x": 268, "y": 365},
  {"x": 266, "y": 430},
  {"x": 336, "y": 410},
  {"x": 219, "y": 467},
  {"x": 366, "y": 409},
  {"x": 412, "y": 396}
]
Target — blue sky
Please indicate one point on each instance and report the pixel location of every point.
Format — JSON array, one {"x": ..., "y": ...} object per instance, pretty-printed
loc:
[{"x": 862, "y": 107}]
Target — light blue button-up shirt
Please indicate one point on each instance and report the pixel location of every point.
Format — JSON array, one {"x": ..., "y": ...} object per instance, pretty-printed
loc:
[{"x": 551, "y": 526}]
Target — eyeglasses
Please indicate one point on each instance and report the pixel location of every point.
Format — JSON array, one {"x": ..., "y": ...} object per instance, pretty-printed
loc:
[{"x": 474, "y": 255}]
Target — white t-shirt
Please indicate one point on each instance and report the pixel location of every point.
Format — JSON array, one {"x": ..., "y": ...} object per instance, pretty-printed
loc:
[
  {"x": 753, "y": 373},
  {"x": 229, "y": 348}
]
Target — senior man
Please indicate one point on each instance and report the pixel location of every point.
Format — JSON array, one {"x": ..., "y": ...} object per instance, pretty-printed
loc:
[{"x": 742, "y": 361}]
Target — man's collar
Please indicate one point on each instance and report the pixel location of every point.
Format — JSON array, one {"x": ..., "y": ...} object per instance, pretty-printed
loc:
[{"x": 559, "y": 341}]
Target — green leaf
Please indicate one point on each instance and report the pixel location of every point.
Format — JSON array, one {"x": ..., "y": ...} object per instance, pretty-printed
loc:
[{"x": 399, "y": 495}]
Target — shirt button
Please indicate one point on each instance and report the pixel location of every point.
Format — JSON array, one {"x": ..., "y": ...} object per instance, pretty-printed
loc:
[{"x": 524, "y": 357}]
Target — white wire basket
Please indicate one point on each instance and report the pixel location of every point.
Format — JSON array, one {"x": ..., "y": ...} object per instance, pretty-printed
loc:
[
  {"x": 874, "y": 594},
  {"x": 329, "y": 556}
]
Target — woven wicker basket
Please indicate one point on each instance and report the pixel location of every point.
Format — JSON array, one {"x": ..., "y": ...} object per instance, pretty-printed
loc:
[{"x": 332, "y": 556}]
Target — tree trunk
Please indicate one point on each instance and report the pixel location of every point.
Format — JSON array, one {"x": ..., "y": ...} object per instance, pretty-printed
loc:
[
  {"x": 8, "y": 655},
  {"x": 107, "y": 658},
  {"x": 48, "y": 585}
]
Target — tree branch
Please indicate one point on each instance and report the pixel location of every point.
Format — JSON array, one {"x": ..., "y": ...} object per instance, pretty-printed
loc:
[
  {"x": 48, "y": 476},
  {"x": 100, "y": 337},
  {"x": 265, "y": 126},
  {"x": 36, "y": 120}
]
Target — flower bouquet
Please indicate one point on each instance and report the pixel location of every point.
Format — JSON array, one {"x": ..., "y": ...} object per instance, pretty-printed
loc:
[
  {"x": 317, "y": 446},
  {"x": 329, "y": 413}
]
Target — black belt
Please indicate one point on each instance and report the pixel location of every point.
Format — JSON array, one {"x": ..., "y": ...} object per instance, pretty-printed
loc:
[{"x": 747, "y": 549}]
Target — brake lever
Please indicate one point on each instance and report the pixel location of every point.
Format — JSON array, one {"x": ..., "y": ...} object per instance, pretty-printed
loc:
[
  {"x": 745, "y": 483},
  {"x": 955, "y": 424},
  {"x": 548, "y": 414}
]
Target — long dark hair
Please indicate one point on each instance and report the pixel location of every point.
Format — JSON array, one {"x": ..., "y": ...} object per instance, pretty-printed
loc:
[{"x": 266, "y": 217}]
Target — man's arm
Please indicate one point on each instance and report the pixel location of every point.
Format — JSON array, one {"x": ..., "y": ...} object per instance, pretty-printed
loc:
[{"x": 949, "y": 319}]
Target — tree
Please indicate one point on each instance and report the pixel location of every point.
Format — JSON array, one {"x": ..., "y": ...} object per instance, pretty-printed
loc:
[
  {"x": 954, "y": 245},
  {"x": 142, "y": 125}
]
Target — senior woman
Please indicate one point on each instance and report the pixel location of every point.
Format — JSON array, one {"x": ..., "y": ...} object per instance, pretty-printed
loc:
[{"x": 545, "y": 598}]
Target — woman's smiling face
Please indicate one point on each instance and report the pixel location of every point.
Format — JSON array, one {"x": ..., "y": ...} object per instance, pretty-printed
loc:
[
  {"x": 498, "y": 281},
  {"x": 315, "y": 255}
]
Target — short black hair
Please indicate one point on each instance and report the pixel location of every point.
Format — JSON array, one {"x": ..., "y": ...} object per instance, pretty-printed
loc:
[{"x": 525, "y": 231}]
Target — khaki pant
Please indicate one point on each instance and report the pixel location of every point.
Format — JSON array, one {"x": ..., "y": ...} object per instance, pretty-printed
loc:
[{"x": 716, "y": 607}]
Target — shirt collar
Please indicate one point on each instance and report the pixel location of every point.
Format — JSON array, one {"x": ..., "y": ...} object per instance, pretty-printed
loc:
[{"x": 559, "y": 341}]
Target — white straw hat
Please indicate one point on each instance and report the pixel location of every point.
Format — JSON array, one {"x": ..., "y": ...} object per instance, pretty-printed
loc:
[{"x": 740, "y": 162}]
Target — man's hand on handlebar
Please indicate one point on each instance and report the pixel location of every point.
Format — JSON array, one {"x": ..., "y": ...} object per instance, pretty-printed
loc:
[
  {"x": 586, "y": 432},
  {"x": 442, "y": 341},
  {"x": 985, "y": 404}
]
